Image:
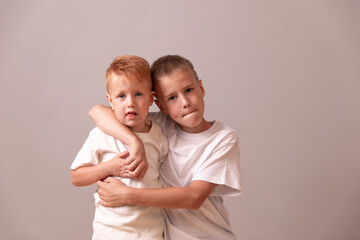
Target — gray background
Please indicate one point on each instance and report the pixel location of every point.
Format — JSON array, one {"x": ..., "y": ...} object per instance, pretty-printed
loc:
[{"x": 284, "y": 74}]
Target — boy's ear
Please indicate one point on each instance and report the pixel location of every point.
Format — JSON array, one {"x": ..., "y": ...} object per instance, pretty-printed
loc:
[
  {"x": 152, "y": 95},
  {"x": 202, "y": 89},
  {"x": 108, "y": 98},
  {"x": 162, "y": 109}
]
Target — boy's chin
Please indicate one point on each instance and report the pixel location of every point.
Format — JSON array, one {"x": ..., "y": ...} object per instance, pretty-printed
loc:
[{"x": 193, "y": 128}]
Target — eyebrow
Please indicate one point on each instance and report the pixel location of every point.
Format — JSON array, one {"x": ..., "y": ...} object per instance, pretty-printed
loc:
[
  {"x": 168, "y": 95},
  {"x": 172, "y": 93}
]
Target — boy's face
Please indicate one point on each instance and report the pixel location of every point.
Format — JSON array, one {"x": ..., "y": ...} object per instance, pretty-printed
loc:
[
  {"x": 130, "y": 101},
  {"x": 182, "y": 97}
]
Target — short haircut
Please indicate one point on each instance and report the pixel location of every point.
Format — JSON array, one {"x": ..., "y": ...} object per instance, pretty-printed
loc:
[
  {"x": 166, "y": 65},
  {"x": 130, "y": 67}
]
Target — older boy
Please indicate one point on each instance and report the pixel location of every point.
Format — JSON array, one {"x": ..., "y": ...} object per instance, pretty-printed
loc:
[
  {"x": 130, "y": 96},
  {"x": 202, "y": 164}
]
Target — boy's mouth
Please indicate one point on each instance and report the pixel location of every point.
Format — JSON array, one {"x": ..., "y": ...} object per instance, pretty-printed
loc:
[
  {"x": 188, "y": 113},
  {"x": 131, "y": 114}
]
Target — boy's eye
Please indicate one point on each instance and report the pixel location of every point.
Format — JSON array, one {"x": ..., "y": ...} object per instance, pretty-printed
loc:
[
  {"x": 138, "y": 94},
  {"x": 189, "y": 90},
  {"x": 122, "y": 96},
  {"x": 171, "y": 98}
]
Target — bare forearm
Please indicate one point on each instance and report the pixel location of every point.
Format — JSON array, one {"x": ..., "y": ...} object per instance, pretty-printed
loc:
[
  {"x": 190, "y": 197},
  {"x": 85, "y": 176},
  {"x": 106, "y": 120}
]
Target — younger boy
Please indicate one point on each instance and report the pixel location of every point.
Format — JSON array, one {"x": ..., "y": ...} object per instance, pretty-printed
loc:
[
  {"x": 130, "y": 96},
  {"x": 202, "y": 163}
]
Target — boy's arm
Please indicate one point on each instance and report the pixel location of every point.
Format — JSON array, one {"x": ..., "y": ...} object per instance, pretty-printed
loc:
[
  {"x": 106, "y": 120},
  {"x": 114, "y": 193},
  {"x": 87, "y": 175}
]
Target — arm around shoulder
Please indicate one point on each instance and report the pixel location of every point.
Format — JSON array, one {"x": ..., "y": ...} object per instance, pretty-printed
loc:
[{"x": 104, "y": 117}]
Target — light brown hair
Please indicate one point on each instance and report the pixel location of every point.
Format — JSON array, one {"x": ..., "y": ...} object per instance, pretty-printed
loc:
[{"x": 166, "y": 65}]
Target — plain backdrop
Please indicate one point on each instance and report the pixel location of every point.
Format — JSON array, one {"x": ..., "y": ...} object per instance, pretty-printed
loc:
[{"x": 284, "y": 74}]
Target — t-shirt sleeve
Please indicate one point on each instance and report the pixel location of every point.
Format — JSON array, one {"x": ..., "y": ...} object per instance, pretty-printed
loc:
[
  {"x": 158, "y": 118},
  {"x": 164, "y": 121},
  {"x": 87, "y": 156},
  {"x": 223, "y": 167}
]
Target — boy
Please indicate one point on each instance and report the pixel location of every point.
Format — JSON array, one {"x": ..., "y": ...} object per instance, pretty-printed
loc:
[
  {"x": 202, "y": 164},
  {"x": 130, "y": 96}
]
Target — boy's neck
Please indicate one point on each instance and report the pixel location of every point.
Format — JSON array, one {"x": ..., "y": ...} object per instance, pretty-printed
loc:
[
  {"x": 143, "y": 129},
  {"x": 202, "y": 127}
]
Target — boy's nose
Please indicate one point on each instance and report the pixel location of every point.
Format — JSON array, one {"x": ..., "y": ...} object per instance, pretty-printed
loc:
[
  {"x": 130, "y": 101},
  {"x": 185, "y": 101}
]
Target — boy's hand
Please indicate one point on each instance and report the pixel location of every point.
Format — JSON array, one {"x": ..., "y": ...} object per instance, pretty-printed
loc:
[
  {"x": 119, "y": 166},
  {"x": 134, "y": 166},
  {"x": 111, "y": 192},
  {"x": 137, "y": 161}
]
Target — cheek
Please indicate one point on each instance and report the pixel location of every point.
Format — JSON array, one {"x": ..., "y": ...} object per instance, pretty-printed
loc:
[
  {"x": 172, "y": 109},
  {"x": 118, "y": 108},
  {"x": 200, "y": 101}
]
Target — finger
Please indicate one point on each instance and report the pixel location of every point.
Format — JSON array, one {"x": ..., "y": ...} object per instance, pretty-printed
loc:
[
  {"x": 140, "y": 171},
  {"x": 133, "y": 165},
  {"x": 136, "y": 172},
  {"x": 102, "y": 203},
  {"x": 125, "y": 158},
  {"x": 127, "y": 161},
  {"x": 144, "y": 170},
  {"x": 123, "y": 154},
  {"x": 99, "y": 192},
  {"x": 100, "y": 184},
  {"x": 107, "y": 204},
  {"x": 127, "y": 175},
  {"x": 109, "y": 179},
  {"x": 141, "y": 175}
]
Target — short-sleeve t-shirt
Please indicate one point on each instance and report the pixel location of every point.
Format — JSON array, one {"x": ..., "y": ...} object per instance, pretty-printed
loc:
[
  {"x": 211, "y": 156},
  {"x": 128, "y": 221}
]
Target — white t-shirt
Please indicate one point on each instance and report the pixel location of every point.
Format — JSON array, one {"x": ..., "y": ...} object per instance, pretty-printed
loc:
[
  {"x": 129, "y": 221},
  {"x": 211, "y": 156}
]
